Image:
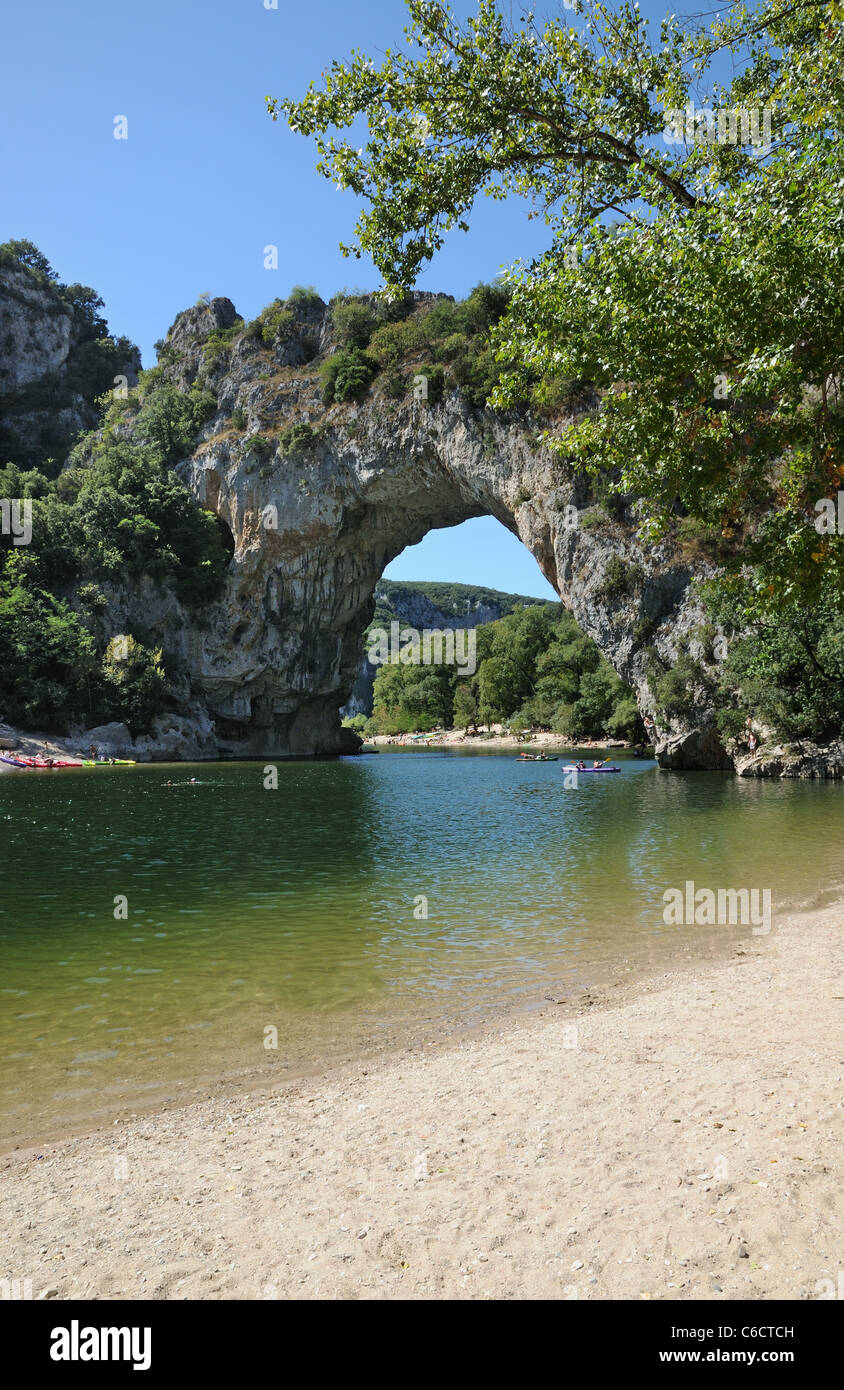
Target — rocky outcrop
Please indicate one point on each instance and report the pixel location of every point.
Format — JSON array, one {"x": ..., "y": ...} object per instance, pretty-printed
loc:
[
  {"x": 319, "y": 501},
  {"x": 317, "y": 513},
  {"x": 36, "y": 330},
  {"x": 55, "y": 360},
  {"x": 185, "y": 737},
  {"x": 806, "y": 761}
]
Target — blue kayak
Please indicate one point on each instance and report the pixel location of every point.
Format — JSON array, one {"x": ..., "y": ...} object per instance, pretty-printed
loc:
[{"x": 570, "y": 768}]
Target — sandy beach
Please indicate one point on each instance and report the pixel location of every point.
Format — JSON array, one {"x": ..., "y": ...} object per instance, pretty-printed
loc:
[
  {"x": 494, "y": 738},
  {"x": 681, "y": 1144}
]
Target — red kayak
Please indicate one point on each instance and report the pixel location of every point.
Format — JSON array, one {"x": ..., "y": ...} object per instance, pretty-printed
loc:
[{"x": 45, "y": 765}]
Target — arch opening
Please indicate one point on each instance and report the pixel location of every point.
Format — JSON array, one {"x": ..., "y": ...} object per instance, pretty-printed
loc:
[{"x": 451, "y": 652}]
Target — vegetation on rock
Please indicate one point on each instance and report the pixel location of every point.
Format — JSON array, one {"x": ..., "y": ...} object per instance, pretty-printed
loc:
[
  {"x": 692, "y": 283},
  {"x": 116, "y": 514}
]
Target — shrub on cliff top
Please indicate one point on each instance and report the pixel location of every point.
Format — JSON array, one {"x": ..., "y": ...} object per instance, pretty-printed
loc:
[
  {"x": 304, "y": 297},
  {"x": 353, "y": 321},
  {"x": 347, "y": 376},
  {"x": 298, "y": 439}
]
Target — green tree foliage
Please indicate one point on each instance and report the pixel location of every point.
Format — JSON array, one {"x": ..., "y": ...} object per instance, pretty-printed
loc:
[
  {"x": 464, "y": 706},
  {"x": 304, "y": 297},
  {"x": 135, "y": 682},
  {"x": 37, "y": 427},
  {"x": 18, "y": 252},
  {"x": 47, "y": 659},
  {"x": 536, "y": 669},
  {"x": 169, "y": 419},
  {"x": 275, "y": 323},
  {"x": 52, "y": 674},
  {"x": 408, "y": 698},
  {"x": 347, "y": 375},
  {"x": 450, "y": 340},
  {"x": 353, "y": 320},
  {"x": 693, "y": 284},
  {"x": 786, "y": 671}
]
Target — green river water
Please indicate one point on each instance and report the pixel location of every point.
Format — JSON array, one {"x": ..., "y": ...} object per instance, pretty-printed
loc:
[{"x": 298, "y": 909}]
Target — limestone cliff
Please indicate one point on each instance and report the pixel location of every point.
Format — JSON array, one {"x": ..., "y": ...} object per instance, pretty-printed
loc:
[
  {"x": 319, "y": 500},
  {"x": 56, "y": 358}
]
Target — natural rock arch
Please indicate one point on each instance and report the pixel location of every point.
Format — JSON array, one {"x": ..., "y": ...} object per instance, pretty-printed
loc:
[{"x": 316, "y": 526}]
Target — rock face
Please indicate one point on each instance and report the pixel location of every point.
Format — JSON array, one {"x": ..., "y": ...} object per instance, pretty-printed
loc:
[
  {"x": 50, "y": 375},
  {"x": 319, "y": 501},
  {"x": 36, "y": 332},
  {"x": 805, "y": 761},
  {"x": 317, "y": 515}
]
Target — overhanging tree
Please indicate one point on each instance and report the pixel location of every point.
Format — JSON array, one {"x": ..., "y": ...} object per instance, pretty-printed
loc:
[{"x": 708, "y": 315}]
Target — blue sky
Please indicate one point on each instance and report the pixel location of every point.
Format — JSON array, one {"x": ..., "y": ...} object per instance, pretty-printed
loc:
[{"x": 206, "y": 180}]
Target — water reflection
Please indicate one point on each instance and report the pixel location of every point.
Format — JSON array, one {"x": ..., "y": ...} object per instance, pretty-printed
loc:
[{"x": 295, "y": 908}]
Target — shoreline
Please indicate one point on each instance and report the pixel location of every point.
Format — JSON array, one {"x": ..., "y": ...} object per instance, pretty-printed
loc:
[
  {"x": 623, "y": 975},
  {"x": 186, "y": 740},
  {"x": 636, "y": 1157},
  {"x": 540, "y": 741},
  {"x": 14, "y": 741}
]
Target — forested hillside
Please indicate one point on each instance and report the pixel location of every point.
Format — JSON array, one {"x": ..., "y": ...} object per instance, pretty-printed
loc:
[{"x": 535, "y": 669}]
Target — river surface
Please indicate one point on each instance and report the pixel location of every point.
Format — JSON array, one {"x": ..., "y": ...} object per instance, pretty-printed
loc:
[{"x": 364, "y": 903}]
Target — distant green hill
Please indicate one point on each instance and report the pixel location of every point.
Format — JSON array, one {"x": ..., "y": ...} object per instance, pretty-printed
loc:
[{"x": 394, "y": 597}]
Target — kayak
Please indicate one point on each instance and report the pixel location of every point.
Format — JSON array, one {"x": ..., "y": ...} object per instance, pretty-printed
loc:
[
  {"x": 44, "y": 765},
  {"x": 12, "y": 762},
  {"x": 106, "y": 762},
  {"x": 591, "y": 769},
  {"x": 529, "y": 758}
]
